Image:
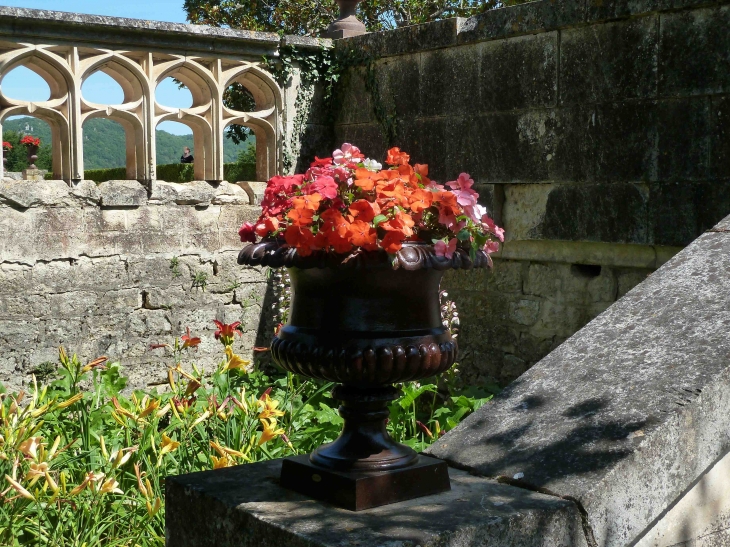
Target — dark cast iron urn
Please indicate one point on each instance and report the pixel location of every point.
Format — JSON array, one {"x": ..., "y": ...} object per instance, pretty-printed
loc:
[{"x": 367, "y": 322}]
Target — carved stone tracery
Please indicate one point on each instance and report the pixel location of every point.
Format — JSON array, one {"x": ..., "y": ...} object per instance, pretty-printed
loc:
[{"x": 66, "y": 67}]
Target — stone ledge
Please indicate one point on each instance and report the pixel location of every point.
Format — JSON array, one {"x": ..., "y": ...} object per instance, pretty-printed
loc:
[
  {"x": 627, "y": 414},
  {"x": 244, "y": 507},
  {"x": 33, "y": 193}
]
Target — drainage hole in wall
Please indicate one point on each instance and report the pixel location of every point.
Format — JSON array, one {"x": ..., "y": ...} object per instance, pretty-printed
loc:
[{"x": 585, "y": 270}]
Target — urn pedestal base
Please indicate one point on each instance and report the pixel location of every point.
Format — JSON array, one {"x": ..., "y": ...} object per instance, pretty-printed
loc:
[{"x": 359, "y": 490}]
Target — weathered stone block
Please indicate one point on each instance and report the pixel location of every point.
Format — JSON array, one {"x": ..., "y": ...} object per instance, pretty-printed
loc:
[
  {"x": 609, "y": 142},
  {"x": 356, "y": 104},
  {"x": 87, "y": 192},
  {"x": 34, "y": 193},
  {"x": 122, "y": 193},
  {"x": 450, "y": 81},
  {"x": 542, "y": 280},
  {"x": 477, "y": 511},
  {"x": 695, "y": 52},
  {"x": 399, "y": 85},
  {"x": 511, "y": 147},
  {"x": 524, "y": 312},
  {"x": 369, "y": 137},
  {"x": 685, "y": 139},
  {"x": 607, "y": 212},
  {"x": 518, "y": 73},
  {"x": 608, "y": 62},
  {"x": 197, "y": 192}
]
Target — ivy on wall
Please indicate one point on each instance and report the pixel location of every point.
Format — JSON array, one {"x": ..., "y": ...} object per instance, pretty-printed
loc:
[{"x": 325, "y": 69}]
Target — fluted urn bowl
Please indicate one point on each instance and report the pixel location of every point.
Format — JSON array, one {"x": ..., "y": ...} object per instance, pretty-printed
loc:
[{"x": 366, "y": 321}]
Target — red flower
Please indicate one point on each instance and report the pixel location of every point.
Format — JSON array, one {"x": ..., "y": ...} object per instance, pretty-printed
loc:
[
  {"x": 396, "y": 157},
  {"x": 225, "y": 332},
  {"x": 188, "y": 341},
  {"x": 268, "y": 226},
  {"x": 324, "y": 185},
  {"x": 393, "y": 242},
  {"x": 30, "y": 141},
  {"x": 7, "y": 145},
  {"x": 300, "y": 238},
  {"x": 247, "y": 233},
  {"x": 321, "y": 162}
]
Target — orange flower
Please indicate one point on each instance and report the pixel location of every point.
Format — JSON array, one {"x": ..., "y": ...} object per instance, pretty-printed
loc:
[
  {"x": 334, "y": 222},
  {"x": 421, "y": 169},
  {"x": 402, "y": 223},
  {"x": 395, "y": 191},
  {"x": 310, "y": 202},
  {"x": 420, "y": 200},
  {"x": 365, "y": 179},
  {"x": 301, "y": 217},
  {"x": 362, "y": 234},
  {"x": 300, "y": 238},
  {"x": 363, "y": 210},
  {"x": 392, "y": 242},
  {"x": 267, "y": 226},
  {"x": 396, "y": 157}
]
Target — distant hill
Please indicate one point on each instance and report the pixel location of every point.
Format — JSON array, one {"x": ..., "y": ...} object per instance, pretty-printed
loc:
[{"x": 104, "y": 142}]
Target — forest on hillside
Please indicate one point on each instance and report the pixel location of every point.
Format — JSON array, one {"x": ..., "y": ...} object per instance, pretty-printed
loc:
[{"x": 104, "y": 144}]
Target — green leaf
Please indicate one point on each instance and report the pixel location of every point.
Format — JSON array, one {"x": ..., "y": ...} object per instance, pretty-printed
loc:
[
  {"x": 379, "y": 220},
  {"x": 464, "y": 235}
]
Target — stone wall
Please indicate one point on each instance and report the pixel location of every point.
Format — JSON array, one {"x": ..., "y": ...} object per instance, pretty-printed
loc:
[
  {"x": 109, "y": 270},
  {"x": 597, "y": 124}
]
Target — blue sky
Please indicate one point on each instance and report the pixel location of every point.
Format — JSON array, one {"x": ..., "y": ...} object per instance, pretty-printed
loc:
[{"x": 24, "y": 84}]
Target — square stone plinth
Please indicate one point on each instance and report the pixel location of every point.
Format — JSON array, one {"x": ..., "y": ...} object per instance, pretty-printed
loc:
[
  {"x": 33, "y": 174},
  {"x": 245, "y": 507}
]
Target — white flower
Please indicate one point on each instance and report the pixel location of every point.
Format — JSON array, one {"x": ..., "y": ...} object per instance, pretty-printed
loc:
[{"x": 372, "y": 165}]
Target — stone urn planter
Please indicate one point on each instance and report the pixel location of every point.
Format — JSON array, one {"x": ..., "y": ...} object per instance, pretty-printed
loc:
[
  {"x": 347, "y": 24},
  {"x": 366, "y": 322},
  {"x": 32, "y": 150}
]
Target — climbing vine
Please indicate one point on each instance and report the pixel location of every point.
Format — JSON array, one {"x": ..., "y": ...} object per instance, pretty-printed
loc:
[{"x": 324, "y": 69}]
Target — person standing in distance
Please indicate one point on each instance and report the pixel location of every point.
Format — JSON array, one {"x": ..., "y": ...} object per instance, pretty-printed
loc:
[{"x": 187, "y": 157}]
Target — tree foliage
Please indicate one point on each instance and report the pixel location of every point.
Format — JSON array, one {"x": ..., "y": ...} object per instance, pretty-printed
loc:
[{"x": 311, "y": 17}]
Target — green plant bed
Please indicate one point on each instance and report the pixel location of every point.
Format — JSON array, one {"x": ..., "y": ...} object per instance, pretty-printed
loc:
[{"x": 83, "y": 464}]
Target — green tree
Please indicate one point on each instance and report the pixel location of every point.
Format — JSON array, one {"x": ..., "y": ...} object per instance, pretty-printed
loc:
[{"x": 311, "y": 17}]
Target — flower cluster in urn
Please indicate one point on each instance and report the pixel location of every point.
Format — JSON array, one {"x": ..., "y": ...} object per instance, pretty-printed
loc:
[{"x": 348, "y": 203}]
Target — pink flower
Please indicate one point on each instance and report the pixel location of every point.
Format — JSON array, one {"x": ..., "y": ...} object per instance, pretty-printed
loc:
[
  {"x": 492, "y": 227},
  {"x": 247, "y": 233},
  {"x": 442, "y": 249},
  {"x": 464, "y": 193},
  {"x": 347, "y": 154},
  {"x": 324, "y": 185},
  {"x": 491, "y": 247}
]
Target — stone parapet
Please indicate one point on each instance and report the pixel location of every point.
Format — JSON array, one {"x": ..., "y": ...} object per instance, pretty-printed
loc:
[
  {"x": 627, "y": 415},
  {"x": 105, "y": 270}
]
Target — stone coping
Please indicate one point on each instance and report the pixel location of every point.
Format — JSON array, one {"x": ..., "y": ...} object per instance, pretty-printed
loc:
[
  {"x": 529, "y": 18},
  {"x": 79, "y": 29},
  {"x": 627, "y": 414},
  {"x": 25, "y": 194}
]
